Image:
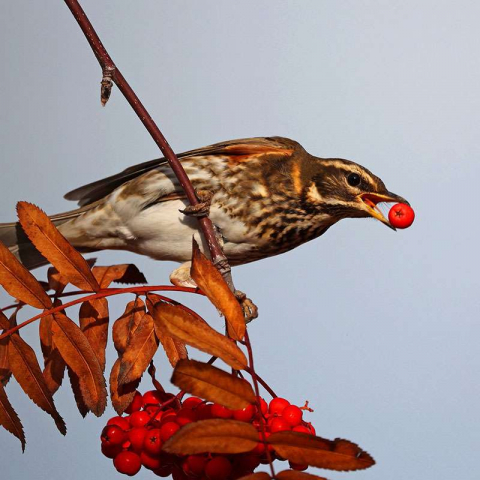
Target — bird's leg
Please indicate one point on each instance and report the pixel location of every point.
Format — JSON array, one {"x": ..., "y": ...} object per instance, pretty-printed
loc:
[
  {"x": 201, "y": 209},
  {"x": 250, "y": 310},
  {"x": 181, "y": 278}
]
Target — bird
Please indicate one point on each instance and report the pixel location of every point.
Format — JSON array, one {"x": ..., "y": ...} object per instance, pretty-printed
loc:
[{"x": 264, "y": 195}]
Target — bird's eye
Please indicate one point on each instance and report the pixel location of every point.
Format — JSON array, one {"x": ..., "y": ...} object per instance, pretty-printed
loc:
[{"x": 353, "y": 179}]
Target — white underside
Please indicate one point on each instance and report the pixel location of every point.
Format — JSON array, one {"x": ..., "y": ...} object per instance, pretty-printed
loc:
[{"x": 160, "y": 231}]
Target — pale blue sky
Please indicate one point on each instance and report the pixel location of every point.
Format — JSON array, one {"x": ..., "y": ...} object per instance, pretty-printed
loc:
[{"x": 378, "y": 330}]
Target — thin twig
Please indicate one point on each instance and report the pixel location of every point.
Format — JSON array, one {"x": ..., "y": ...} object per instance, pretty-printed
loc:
[
  {"x": 262, "y": 382},
  {"x": 112, "y": 73},
  {"x": 258, "y": 403}
]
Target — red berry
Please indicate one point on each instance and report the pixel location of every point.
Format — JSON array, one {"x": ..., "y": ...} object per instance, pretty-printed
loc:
[
  {"x": 293, "y": 415},
  {"x": 219, "y": 411},
  {"x": 168, "y": 459},
  {"x": 152, "y": 443},
  {"x": 128, "y": 463},
  {"x": 277, "y": 405},
  {"x": 245, "y": 414},
  {"x": 139, "y": 419},
  {"x": 185, "y": 415},
  {"x": 191, "y": 402},
  {"x": 156, "y": 413},
  {"x": 163, "y": 471},
  {"x": 218, "y": 468},
  {"x": 111, "y": 451},
  {"x": 149, "y": 461},
  {"x": 152, "y": 397},
  {"x": 204, "y": 411},
  {"x": 168, "y": 429},
  {"x": 297, "y": 466},
  {"x": 178, "y": 473},
  {"x": 137, "y": 437},
  {"x": 279, "y": 424},
  {"x": 137, "y": 403},
  {"x": 120, "y": 421},
  {"x": 113, "y": 435},
  {"x": 168, "y": 417},
  {"x": 263, "y": 406},
  {"x": 259, "y": 449},
  {"x": 196, "y": 464},
  {"x": 247, "y": 462},
  {"x": 401, "y": 215},
  {"x": 312, "y": 430}
]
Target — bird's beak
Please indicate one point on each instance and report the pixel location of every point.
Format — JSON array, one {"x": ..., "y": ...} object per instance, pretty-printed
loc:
[{"x": 369, "y": 204}]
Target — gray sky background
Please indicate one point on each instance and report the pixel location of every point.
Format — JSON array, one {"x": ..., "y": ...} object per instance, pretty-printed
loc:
[{"x": 378, "y": 330}]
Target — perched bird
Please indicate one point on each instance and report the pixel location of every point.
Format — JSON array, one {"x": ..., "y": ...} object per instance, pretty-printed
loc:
[{"x": 265, "y": 197}]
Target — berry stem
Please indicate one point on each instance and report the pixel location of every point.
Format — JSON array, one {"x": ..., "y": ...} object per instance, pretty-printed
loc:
[
  {"x": 177, "y": 398},
  {"x": 151, "y": 371},
  {"x": 257, "y": 401},
  {"x": 262, "y": 382}
]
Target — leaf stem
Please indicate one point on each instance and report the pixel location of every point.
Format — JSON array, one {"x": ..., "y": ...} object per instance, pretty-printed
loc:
[{"x": 107, "y": 292}]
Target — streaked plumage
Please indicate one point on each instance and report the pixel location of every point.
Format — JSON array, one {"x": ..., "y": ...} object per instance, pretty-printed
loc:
[{"x": 269, "y": 196}]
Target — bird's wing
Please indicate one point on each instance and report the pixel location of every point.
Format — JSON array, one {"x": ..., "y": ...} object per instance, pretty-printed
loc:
[{"x": 241, "y": 150}]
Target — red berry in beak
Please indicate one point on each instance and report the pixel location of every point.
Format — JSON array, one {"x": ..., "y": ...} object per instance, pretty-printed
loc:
[{"x": 401, "y": 216}]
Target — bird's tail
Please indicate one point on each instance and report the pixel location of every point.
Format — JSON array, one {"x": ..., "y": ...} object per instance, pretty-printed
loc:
[{"x": 13, "y": 237}]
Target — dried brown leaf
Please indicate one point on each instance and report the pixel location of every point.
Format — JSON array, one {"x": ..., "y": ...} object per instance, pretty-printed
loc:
[
  {"x": 78, "y": 354},
  {"x": 127, "y": 273},
  {"x": 94, "y": 324},
  {"x": 187, "y": 328},
  {"x": 213, "y": 436},
  {"x": 121, "y": 395},
  {"x": 296, "y": 475},
  {"x": 4, "y": 322},
  {"x": 211, "y": 383},
  {"x": 77, "y": 393},
  {"x": 139, "y": 352},
  {"x": 211, "y": 282},
  {"x": 5, "y": 372},
  {"x": 45, "y": 334},
  {"x": 54, "y": 365},
  {"x": 125, "y": 326},
  {"x": 56, "y": 281},
  {"x": 54, "y": 370},
  {"x": 174, "y": 348},
  {"x": 9, "y": 418},
  {"x": 26, "y": 370},
  {"x": 339, "y": 454},
  {"x": 256, "y": 476},
  {"x": 19, "y": 282},
  {"x": 55, "y": 247}
]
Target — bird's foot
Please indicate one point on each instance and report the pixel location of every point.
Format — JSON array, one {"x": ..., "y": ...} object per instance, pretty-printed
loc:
[
  {"x": 250, "y": 310},
  {"x": 201, "y": 209}
]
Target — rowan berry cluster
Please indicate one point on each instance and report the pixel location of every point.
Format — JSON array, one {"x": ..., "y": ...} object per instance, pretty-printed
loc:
[{"x": 136, "y": 440}]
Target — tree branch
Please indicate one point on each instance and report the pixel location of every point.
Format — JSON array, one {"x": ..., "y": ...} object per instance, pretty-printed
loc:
[{"x": 112, "y": 73}]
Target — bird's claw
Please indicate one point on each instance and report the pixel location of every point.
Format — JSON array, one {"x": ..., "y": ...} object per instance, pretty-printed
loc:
[
  {"x": 250, "y": 310},
  {"x": 201, "y": 209}
]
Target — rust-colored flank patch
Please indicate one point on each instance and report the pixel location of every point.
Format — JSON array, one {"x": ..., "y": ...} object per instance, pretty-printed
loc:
[{"x": 245, "y": 153}]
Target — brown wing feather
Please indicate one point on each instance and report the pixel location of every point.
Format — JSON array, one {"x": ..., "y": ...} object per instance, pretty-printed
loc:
[{"x": 240, "y": 150}]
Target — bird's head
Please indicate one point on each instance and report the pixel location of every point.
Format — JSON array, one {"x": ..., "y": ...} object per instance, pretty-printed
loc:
[{"x": 344, "y": 189}]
